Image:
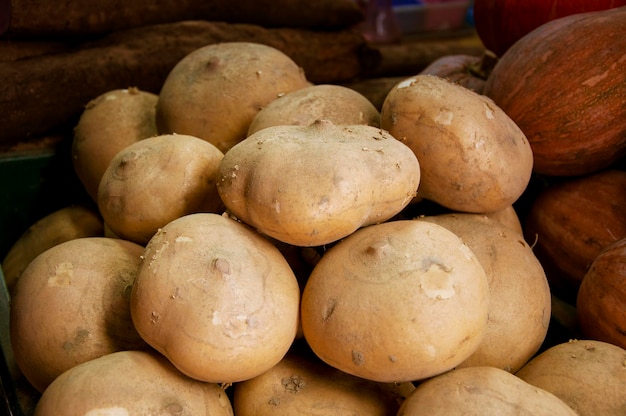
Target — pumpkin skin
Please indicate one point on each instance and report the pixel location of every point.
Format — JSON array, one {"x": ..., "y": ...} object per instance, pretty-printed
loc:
[
  {"x": 571, "y": 222},
  {"x": 601, "y": 302},
  {"x": 500, "y": 23},
  {"x": 564, "y": 85}
]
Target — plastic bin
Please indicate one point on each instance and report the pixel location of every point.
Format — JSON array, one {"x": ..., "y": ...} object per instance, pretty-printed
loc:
[{"x": 431, "y": 16}]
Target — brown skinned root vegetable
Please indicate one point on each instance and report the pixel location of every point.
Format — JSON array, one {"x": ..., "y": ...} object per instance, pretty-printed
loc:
[
  {"x": 302, "y": 384},
  {"x": 313, "y": 185},
  {"x": 131, "y": 383},
  {"x": 564, "y": 85},
  {"x": 215, "y": 91},
  {"x": 71, "y": 305},
  {"x": 47, "y": 18},
  {"x": 157, "y": 180},
  {"x": 108, "y": 124},
  {"x": 68, "y": 223},
  {"x": 398, "y": 301},
  {"x": 338, "y": 104},
  {"x": 473, "y": 156},
  {"x": 216, "y": 298},
  {"x": 482, "y": 391},
  {"x": 402, "y": 58},
  {"x": 519, "y": 294},
  {"x": 588, "y": 375},
  {"x": 143, "y": 57},
  {"x": 601, "y": 300}
]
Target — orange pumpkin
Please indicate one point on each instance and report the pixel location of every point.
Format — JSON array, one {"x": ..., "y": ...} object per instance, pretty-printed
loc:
[
  {"x": 564, "y": 85},
  {"x": 571, "y": 221}
]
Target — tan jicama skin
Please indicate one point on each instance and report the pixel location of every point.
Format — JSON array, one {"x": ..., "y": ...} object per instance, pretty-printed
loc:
[
  {"x": 216, "y": 298},
  {"x": 588, "y": 375},
  {"x": 313, "y": 185},
  {"x": 473, "y": 156},
  {"x": 131, "y": 383},
  {"x": 108, "y": 124},
  {"x": 508, "y": 217},
  {"x": 397, "y": 301},
  {"x": 157, "y": 180},
  {"x": 482, "y": 391},
  {"x": 338, "y": 104},
  {"x": 302, "y": 384},
  {"x": 519, "y": 294},
  {"x": 71, "y": 305},
  {"x": 215, "y": 91},
  {"x": 62, "y": 225}
]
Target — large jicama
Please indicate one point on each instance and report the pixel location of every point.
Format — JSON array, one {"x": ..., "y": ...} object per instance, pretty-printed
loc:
[
  {"x": 519, "y": 294},
  {"x": 474, "y": 158},
  {"x": 398, "y": 301},
  {"x": 216, "y": 298},
  {"x": 131, "y": 383},
  {"x": 588, "y": 375},
  {"x": 484, "y": 391},
  {"x": 313, "y": 185},
  {"x": 156, "y": 180},
  {"x": 215, "y": 91},
  {"x": 71, "y": 305}
]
